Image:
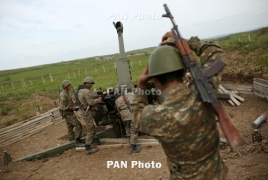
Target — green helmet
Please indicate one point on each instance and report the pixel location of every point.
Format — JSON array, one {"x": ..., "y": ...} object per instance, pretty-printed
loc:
[
  {"x": 65, "y": 83},
  {"x": 89, "y": 80},
  {"x": 164, "y": 59}
]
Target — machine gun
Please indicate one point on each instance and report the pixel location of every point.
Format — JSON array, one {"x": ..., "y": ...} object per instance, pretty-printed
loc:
[{"x": 207, "y": 94}]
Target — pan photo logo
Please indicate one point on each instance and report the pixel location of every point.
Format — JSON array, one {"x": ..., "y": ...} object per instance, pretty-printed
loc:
[
  {"x": 133, "y": 164},
  {"x": 133, "y": 16}
]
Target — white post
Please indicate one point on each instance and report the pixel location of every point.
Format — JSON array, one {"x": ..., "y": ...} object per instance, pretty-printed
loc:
[
  {"x": 103, "y": 68},
  {"x": 249, "y": 38},
  {"x": 69, "y": 75},
  {"x": 2, "y": 87},
  {"x": 43, "y": 79},
  {"x": 114, "y": 66},
  {"x": 12, "y": 85},
  {"x": 24, "y": 83},
  {"x": 51, "y": 78},
  {"x": 78, "y": 72},
  {"x": 140, "y": 62},
  {"x": 96, "y": 70},
  {"x": 239, "y": 39},
  {"x": 31, "y": 82},
  {"x": 86, "y": 71},
  {"x": 131, "y": 64},
  {"x": 74, "y": 75}
]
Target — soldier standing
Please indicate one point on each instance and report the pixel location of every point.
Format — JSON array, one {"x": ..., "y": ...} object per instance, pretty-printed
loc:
[
  {"x": 87, "y": 100},
  {"x": 126, "y": 116},
  {"x": 67, "y": 109},
  {"x": 184, "y": 125}
]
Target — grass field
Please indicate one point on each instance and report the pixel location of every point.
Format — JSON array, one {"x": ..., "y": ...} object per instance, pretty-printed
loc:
[{"x": 45, "y": 80}]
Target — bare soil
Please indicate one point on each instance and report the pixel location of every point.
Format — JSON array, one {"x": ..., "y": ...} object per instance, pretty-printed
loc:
[{"x": 246, "y": 162}]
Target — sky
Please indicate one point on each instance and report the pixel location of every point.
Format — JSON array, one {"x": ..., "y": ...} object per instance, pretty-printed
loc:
[{"x": 36, "y": 32}]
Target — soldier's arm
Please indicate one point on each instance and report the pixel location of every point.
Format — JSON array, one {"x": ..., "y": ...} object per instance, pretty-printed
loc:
[
  {"x": 90, "y": 100},
  {"x": 146, "y": 117},
  {"x": 208, "y": 52},
  {"x": 64, "y": 102}
]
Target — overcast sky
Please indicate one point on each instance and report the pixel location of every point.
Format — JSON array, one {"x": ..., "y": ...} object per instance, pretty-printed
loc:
[{"x": 35, "y": 32}]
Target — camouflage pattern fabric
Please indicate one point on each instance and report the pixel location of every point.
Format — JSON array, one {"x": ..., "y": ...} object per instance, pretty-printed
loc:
[
  {"x": 91, "y": 131},
  {"x": 87, "y": 100},
  {"x": 122, "y": 107},
  {"x": 131, "y": 131},
  {"x": 126, "y": 117},
  {"x": 66, "y": 105},
  {"x": 185, "y": 126},
  {"x": 71, "y": 122}
]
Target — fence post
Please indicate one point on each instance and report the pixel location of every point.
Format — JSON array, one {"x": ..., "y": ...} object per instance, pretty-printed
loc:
[
  {"x": 74, "y": 75},
  {"x": 96, "y": 70},
  {"x": 114, "y": 66},
  {"x": 103, "y": 68},
  {"x": 12, "y": 85},
  {"x": 78, "y": 72},
  {"x": 51, "y": 78},
  {"x": 2, "y": 87},
  {"x": 24, "y": 83},
  {"x": 86, "y": 71},
  {"x": 69, "y": 75},
  {"x": 43, "y": 79}
]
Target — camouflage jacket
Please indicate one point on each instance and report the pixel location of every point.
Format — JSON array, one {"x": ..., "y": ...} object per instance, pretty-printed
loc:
[
  {"x": 87, "y": 98},
  {"x": 66, "y": 103},
  {"x": 185, "y": 126},
  {"x": 122, "y": 107}
]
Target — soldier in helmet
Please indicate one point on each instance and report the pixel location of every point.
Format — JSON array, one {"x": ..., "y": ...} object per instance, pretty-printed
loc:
[
  {"x": 124, "y": 109},
  {"x": 67, "y": 109},
  {"x": 87, "y": 100},
  {"x": 183, "y": 124}
]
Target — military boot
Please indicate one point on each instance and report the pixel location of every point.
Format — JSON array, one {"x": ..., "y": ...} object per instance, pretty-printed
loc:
[
  {"x": 96, "y": 141},
  {"x": 90, "y": 150},
  {"x": 135, "y": 149},
  {"x": 78, "y": 143}
]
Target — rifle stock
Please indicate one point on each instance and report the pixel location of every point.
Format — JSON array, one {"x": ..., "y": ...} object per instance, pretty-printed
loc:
[{"x": 207, "y": 94}]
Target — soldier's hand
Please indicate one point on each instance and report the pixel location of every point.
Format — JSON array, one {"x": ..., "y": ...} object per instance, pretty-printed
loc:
[
  {"x": 167, "y": 38},
  {"x": 75, "y": 108},
  {"x": 143, "y": 78}
]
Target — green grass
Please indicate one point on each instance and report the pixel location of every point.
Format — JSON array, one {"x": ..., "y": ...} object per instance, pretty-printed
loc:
[{"x": 38, "y": 80}]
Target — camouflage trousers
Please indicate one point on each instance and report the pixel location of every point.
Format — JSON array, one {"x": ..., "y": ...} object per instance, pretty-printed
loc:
[
  {"x": 91, "y": 131},
  {"x": 71, "y": 122},
  {"x": 131, "y": 131}
]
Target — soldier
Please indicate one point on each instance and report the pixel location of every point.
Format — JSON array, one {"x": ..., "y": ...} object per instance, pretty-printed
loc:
[
  {"x": 67, "y": 109},
  {"x": 125, "y": 113},
  {"x": 183, "y": 124},
  {"x": 87, "y": 100}
]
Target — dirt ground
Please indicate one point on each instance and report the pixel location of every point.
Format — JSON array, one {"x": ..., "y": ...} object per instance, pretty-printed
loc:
[{"x": 246, "y": 162}]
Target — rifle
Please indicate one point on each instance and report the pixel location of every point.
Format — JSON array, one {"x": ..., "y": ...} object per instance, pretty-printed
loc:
[
  {"x": 207, "y": 94},
  {"x": 78, "y": 103}
]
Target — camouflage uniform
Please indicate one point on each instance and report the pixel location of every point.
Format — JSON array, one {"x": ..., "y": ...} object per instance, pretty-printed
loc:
[
  {"x": 66, "y": 105},
  {"x": 184, "y": 125},
  {"x": 87, "y": 100},
  {"x": 126, "y": 117}
]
